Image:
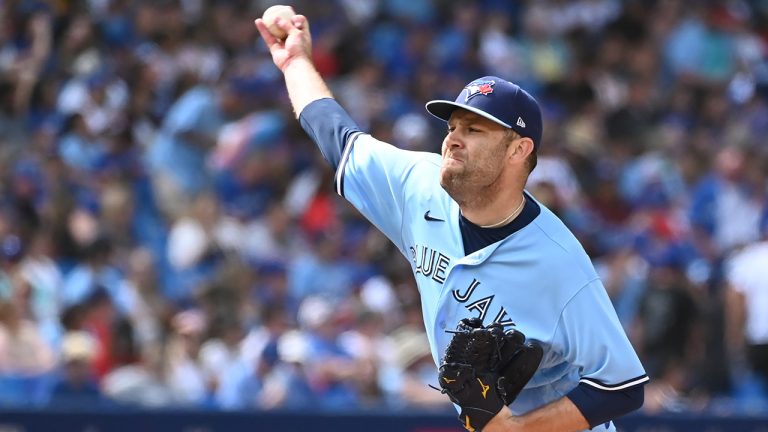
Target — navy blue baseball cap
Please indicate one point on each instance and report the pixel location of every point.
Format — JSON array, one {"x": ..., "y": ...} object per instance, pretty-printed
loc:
[{"x": 497, "y": 100}]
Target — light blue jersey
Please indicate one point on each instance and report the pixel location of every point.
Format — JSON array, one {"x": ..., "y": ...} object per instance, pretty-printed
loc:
[{"x": 539, "y": 279}]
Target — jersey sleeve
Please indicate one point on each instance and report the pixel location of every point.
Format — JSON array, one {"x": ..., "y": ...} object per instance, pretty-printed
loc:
[
  {"x": 599, "y": 407},
  {"x": 371, "y": 174},
  {"x": 376, "y": 177},
  {"x": 329, "y": 126},
  {"x": 594, "y": 341}
]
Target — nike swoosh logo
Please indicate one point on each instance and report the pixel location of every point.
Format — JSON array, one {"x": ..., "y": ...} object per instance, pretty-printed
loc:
[{"x": 430, "y": 218}]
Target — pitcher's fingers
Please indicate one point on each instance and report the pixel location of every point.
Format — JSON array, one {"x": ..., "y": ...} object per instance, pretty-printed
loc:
[
  {"x": 284, "y": 24},
  {"x": 299, "y": 21},
  {"x": 265, "y": 34}
]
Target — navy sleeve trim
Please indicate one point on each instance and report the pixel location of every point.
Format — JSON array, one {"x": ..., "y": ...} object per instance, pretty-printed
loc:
[
  {"x": 613, "y": 387},
  {"x": 601, "y": 406},
  {"x": 329, "y": 126},
  {"x": 339, "y": 179}
]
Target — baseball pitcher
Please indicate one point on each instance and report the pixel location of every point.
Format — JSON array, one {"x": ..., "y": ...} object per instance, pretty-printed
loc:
[{"x": 522, "y": 331}]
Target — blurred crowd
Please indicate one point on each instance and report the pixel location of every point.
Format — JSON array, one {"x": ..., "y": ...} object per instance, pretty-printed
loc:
[{"x": 170, "y": 237}]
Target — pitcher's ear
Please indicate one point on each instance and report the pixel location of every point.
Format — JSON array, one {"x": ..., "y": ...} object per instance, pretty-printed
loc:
[{"x": 521, "y": 147}]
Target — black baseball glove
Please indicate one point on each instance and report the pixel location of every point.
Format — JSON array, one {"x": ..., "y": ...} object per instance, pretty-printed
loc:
[{"x": 485, "y": 369}]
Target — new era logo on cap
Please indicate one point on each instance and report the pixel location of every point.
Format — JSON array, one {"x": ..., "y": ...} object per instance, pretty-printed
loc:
[{"x": 497, "y": 100}]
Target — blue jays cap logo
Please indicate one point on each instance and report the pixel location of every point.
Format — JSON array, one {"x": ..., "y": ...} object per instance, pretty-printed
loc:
[{"x": 478, "y": 87}]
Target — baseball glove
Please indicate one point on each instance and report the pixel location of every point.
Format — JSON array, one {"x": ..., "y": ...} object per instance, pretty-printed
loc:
[{"x": 485, "y": 369}]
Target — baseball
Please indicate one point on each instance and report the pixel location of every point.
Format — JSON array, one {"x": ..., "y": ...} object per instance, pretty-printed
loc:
[{"x": 272, "y": 14}]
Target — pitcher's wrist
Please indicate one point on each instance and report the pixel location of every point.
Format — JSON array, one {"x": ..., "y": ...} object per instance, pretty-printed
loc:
[{"x": 504, "y": 421}]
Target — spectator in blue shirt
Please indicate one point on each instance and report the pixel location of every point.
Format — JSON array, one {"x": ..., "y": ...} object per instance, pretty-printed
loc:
[{"x": 190, "y": 130}]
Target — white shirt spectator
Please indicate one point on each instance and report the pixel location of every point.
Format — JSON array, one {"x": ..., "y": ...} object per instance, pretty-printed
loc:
[
  {"x": 748, "y": 275},
  {"x": 76, "y": 97},
  {"x": 135, "y": 385},
  {"x": 187, "y": 382},
  {"x": 187, "y": 243},
  {"x": 738, "y": 216}
]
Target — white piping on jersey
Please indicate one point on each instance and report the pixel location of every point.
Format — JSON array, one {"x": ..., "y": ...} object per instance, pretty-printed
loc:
[
  {"x": 343, "y": 162},
  {"x": 628, "y": 384}
]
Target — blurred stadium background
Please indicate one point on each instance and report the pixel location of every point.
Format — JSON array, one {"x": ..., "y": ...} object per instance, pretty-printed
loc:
[{"x": 171, "y": 246}]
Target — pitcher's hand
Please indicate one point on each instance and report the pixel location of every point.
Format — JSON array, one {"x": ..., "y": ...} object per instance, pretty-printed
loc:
[{"x": 297, "y": 45}]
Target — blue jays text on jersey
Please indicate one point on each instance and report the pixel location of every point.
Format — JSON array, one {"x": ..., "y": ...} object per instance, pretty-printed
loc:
[{"x": 433, "y": 264}]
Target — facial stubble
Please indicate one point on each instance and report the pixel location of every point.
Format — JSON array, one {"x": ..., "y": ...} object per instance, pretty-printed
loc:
[{"x": 476, "y": 185}]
